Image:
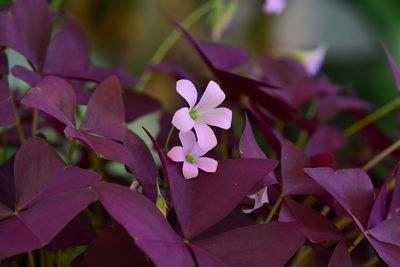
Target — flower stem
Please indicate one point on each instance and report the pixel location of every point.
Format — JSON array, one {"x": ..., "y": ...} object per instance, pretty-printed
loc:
[
  {"x": 35, "y": 121},
  {"x": 20, "y": 131},
  {"x": 172, "y": 38},
  {"x": 168, "y": 138},
  {"x": 312, "y": 110},
  {"x": 31, "y": 259},
  {"x": 71, "y": 150},
  {"x": 372, "y": 117},
  {"x": 375, "y": 160},
  {"x": 357, "y": 241},
  {"x": 275, "y": 208}
]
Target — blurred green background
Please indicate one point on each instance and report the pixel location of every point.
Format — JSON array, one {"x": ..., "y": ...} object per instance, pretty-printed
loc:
[{"x": 128, "y": 32}]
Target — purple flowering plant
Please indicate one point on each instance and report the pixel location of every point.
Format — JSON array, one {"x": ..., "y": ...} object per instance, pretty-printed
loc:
[{"x": 248, "y": 174}]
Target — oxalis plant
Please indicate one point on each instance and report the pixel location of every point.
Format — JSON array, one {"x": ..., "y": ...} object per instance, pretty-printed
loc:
[{"x": 245, "y": 174}]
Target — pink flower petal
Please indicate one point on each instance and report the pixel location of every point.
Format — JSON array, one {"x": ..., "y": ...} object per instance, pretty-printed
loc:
[
  {"x": 212, "y": 97},
  {"x": 182, "y": 120},
  {"x": 205, "y": 136},
  {"x": 274, "y": 6},
  {"x": 188, "y": 141},
  {"x": 176, "y": 154},
  {"x": 207, "y": 164},
  {"x": 190, "y": 170},
  {"x": 220, "y": 117},
  {"x": 197, "y": 151},
  {"x": 187, "y": 90}
]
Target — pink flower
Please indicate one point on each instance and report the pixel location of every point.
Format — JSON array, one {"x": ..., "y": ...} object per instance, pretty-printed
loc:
[
  {"x": 274, "y": 6},
  {"x": 202, "y": 114},
  {"x": 192, "y": 156}
]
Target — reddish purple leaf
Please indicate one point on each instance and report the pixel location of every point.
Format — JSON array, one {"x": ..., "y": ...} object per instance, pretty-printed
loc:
[
  {"x": 47, "y": 218},
  {"x": 138, "y": 104},
  {"x": 145, "y": 223},
  {"x": 71, "y": 178},
  {"x": 316, "y": 227},
  {"x": 294, "y": 179},
  {"x": 248, "y": 145},
  {"x": 105, "y": 114},
  {"x": 27, "y": 32},
  {"x": 388, "y": 252},
  {"x": 30, "y": 77},
  {"x": 393, "y": 67},
  {"x": 7, "y": 116},
  {"x": 270, "y": 244},
  {"x": 36, "y": 164},
  {"x": 68, "y": 50},
  {"x": 388, "y": 231},
  {"x": 352, "y": 188},
  {"x": 143, "y": 166},
  {"x": 55, "y": 97},
  {"x": 224, "y": 57},
  {"x": 114, "y": 247},
  {"x": 203, "y": 258},
  {"x": 326, "y": 139},
  {"x": 330, "y": 106},
  {"x": 78, "y": 232},
  {"x": 15, "y": 237},
  {"x": 205, "y": 200},
  {"x": 104, "y": 148},
  {"x": 4, "y": 211},
  {"x": 394, "y": 209},
  {"x": 340, "y": 257}
]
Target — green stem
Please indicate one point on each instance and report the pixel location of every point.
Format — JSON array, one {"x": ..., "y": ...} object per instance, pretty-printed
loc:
[
  {"x": 4, "y": 145},
  {"x": 71, "y": 150},
  {"x": 168, "y": 138},
  {"x": 372, "y": 117},
  {"x": 20, "y": 131},
  {"x": 312, "y": 110},
  {"x": 275, "y": 208},
  {"x": 35, "y": 121},
  {"x": 172, "y": 38},
  {"x": 359, "y": 238},
  {"x": 31, "y": 259},
  {"x": 375, "y": 160}
]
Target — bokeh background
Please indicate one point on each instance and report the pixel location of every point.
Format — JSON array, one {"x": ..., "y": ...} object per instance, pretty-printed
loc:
[{"x": 128, "y": 32}]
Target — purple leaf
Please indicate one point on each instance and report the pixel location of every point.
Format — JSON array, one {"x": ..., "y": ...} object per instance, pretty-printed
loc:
[
  {"x": 4, "y": 211},
  {"x": 68, "y": 50},
  {"x": 144, "y": 222},
  {"x": 394, "y": 209},
  {"x": 352, "y": 188},
  {"x": 71, "y": 178},
  {"x": 224, "y": 57},
  {"x": 15, "y": 237},
  {"x": 248, "y": 145},
  {"x": 27, "y": 32},
  {"x": 316, "y": 227},
  {"x": 388, "y": 252},
  {"x": 143, "y": 166},
  {"x": 7, "y": 184},
  {"x": 124, "y": 77},
  {"x": 105, "y": 114},
  {"x": 104, "y": 148},
  {"x": 294, "y": 179},
  {"x": 138, "y": 104},
  {"x": 78, "y": 232},
  {"x": 204, "y": 201},
  {"x": 379, "y": 210},
  {"x": 273, "y": 244},
  {"x": 393, "y": 67},
  {"x": 203, "y": 258},
  {"x": 55, "y": 97},
  {"x": 47, "y": 218},
  {"x": 326, "y": 139},
  {"x": 7, "y": 116},
  {"x": 340, "y": 257},
  {"x": 330, "y": 106},
  {"x": 30, "y": 77},
  {"x": 388, "y": 231},
  {"x": 171, "y": 69},
  {"x": 36, "y": 164},
  {"x": 114, "y": 247}
]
